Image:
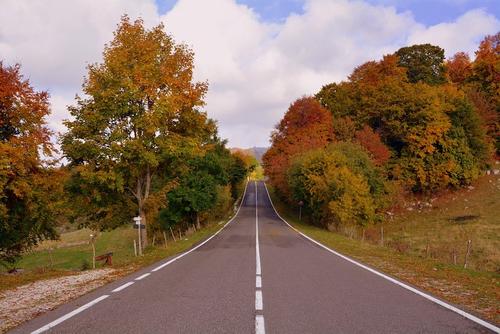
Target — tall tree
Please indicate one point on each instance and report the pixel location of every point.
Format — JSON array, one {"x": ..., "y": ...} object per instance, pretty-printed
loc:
[
  {"x": 25, "y": 213},
  {"x": 306, "y": 125},
  {"x": 139, "y": 118},
  {"x": 424, "y": 62},
  {"x": 459, "y": 68}
]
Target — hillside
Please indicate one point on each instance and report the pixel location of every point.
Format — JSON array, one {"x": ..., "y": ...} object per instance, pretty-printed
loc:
[{"x": 256, "y": 152}]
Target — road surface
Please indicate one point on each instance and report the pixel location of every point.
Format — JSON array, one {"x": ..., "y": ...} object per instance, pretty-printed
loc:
[{"x": 256, "y": 275}]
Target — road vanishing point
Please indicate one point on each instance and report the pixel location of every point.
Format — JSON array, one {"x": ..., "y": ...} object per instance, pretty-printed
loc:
[{"x": 257, "y": 275}]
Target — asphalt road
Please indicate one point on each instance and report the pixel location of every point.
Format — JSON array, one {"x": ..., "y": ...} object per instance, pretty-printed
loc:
[{"x": 256, "y": 275}]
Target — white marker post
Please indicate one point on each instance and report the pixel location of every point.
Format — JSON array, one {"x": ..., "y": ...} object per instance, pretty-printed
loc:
[{"x": 137, "y": 221}]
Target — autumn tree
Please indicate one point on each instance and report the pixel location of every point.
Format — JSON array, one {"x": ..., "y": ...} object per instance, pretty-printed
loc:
[
  {"x": 431, "y": 148},
  {"x": 138, "y": 120},
  {"x": 306, "y": 125},
  {"x": 26, "y": 215},
  {"x": 459, "y": 68},
  {"x": 424, "y": 63},
  {"x": 372, "y": 143},
  {"x": 339, "y": 185}
]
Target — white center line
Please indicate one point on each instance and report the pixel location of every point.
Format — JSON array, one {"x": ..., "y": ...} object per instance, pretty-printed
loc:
[
  {"x": 258, "y": 300},
  {"x": 259, "y": 303},
  {"x": 120, "y": 288},
  {"x": 69, "y": 315},
  {"x": 142, "y": 276},
  {"x": 257, "y": 248},
  {"x": 259, "y": 324}
]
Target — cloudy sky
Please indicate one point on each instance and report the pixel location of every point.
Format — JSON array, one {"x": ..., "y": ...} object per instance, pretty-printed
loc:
[{"x": 257, "y": 55}]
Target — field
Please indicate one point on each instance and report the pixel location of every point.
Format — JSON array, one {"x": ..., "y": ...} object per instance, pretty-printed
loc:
[
  {"x": 73, "y": 253},
  {"x": 425, "y": 245}
]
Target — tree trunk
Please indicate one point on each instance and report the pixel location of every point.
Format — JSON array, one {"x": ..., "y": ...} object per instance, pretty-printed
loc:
[{"x": 165, "y": 238}]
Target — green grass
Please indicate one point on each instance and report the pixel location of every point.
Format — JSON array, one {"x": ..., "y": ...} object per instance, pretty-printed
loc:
[
  {"x": 72, "y": 250},
  {"x": 473, "y": 289}
]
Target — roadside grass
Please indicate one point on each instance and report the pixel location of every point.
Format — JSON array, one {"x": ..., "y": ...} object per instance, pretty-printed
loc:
[
  {"x": 72, "y": 250},
  {"x": 478, "y": 291}
]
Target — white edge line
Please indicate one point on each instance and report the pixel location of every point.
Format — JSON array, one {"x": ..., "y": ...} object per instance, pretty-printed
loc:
[
  {"x": 259, "y": 324},
  {"x": 95, "y": 301},
  {"x": 204, "y": 242},
  {"x": 401, "y": 284},
  {"x": 259, "y": 304},
  {"x": 69, "y": 315},
  {"x": 121, "y": 287},
  {"x": 142, "y": 276}
]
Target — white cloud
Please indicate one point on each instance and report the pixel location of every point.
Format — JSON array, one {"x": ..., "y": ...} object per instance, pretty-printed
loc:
[
  {"x": 464, "y": 34},
  {"x": 255, "y": 69}
]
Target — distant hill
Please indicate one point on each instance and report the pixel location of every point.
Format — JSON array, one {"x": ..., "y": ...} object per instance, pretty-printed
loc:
[{"x": 257, "y": 152}]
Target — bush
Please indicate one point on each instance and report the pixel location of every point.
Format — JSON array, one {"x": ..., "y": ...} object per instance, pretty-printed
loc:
[{"x": 339, "y": 185}]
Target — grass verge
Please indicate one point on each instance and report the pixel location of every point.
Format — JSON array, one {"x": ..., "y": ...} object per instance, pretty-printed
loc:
[
  {"x": 69, "y": 254},
  {"x": 472, "y": 290}
]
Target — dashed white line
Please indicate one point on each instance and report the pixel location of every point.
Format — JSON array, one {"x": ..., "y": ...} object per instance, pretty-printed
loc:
[
  {"x": 204, "y": 242},
  {"x": 69, "y": 315},
  {"x": 124, "y": 286},
  {"x": 259, "y": 324},
  {"x": 142, "y": 276},
  {"x": 401, "y": 284},
  {"x": 257, "y": 247},
  {"x": 259, "y": 304},
  {"x": 95, "y": 301}
]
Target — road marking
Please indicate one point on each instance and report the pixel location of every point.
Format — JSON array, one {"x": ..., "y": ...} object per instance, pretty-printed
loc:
[
  {"x": 259, "y": 324},
  {"x": 86, "y": 306},
  {"x": 204, "y": 242},
  {"x": 142, "y": 276},
  {"x": 259, "y": 304},
  {"x": 124, "y": 286},
  {"x": 401, "y": 284},
  {"x": 257, "y": 247},
  {"x": 69, "y": 315},
  {"x": 258, "y": 282}
]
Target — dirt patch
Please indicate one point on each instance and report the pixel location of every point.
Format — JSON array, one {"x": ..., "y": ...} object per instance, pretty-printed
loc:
[{"x": 26, "y": 302}]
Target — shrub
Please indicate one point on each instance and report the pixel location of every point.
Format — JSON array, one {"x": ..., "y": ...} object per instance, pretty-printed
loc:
[{"x": 339, "y": 185}]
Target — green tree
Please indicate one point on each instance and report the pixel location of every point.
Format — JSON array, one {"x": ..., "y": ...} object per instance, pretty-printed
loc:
[
  {"x": 26, "y": 212},
  {"x": 424, "y": 63},
  {"x": 138, "y": 120}
]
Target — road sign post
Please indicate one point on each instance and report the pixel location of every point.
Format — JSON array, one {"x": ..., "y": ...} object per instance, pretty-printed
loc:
[{"x": 137, "y": 221}]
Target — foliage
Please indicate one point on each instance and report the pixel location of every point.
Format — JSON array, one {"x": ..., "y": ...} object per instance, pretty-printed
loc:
[
  {"x": 480, "y": 81},
  {"x": 26, "y": 211},
  {"x": 459, "y": 68},
  {"x": 339, "y": 185},
  {"x": 136, "y": 126},
  {"x": 432, "y": 146},
  {"x": 424, "y": 63},
  {"x": 372, "y": 143},
  {"x": 203, "y": 186},
  {"x": 306, "y": 125}
]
